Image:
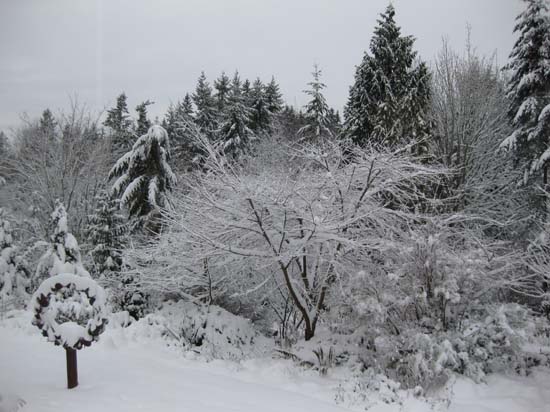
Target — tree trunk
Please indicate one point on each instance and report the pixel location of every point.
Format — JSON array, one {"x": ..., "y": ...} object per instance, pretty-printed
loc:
[{"x": 72, "y": 373}]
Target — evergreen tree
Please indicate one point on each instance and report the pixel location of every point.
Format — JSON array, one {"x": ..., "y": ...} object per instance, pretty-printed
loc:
[
  {"x": 246, "y": 91},
  {"x": 317, "y": 112},
  {"x": 234, "y": 132},
  {"x": 3, "y": 144},
  {"x": 47, "y": 125},
  {"x": 143, "y": 174},
  {"x": 260, "y": 114},
  {"x": 179, "y": 124},
  {"x": 63, "y": 254},
  {"x": 388, "y": 101},
  {"x": 119, "y": 121},
  {"x": 529, "y": 92},
  {"x": 222, "y": 86},
  {"x": 273, "y": 97},
  {"x": 205, "y": 114},
  {"x": 143, "y": 123},
  {"x": 14, "y": 274},
  {"x": 106, "y": 231}
]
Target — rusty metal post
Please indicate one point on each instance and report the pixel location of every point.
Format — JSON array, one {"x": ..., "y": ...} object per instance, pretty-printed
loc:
[{"x": 72, "y": 372}]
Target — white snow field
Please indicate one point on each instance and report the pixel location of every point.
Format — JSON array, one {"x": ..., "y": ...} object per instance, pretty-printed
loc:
[{"x": 138, "y": 373}]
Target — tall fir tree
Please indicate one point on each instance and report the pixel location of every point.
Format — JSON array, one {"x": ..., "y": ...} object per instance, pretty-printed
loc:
[
  {"x": 273, "y": 97},
  {"x": 144, "y": 176},
  {"x": 119, "y": 121},
  {"x": 180, "y": 125},
  {"x": 260, "y": 114},
  {"x": 143, "y": 123},
  {"x": 205, "y": 104},
  {"x": 529, "y": 92},
  {"x": 317, "y": 112},
  {"x": 106, "y": 231},
  {"x": 389, "y": 99},
  {"x": 235, "y": 133},
  {"x": 222, "y": 86},
  {"x": 47, "y": 126}
]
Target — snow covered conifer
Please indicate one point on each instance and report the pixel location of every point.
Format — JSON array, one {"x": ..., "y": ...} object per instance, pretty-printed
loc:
[
  {"x": 389, "y": 99},
  {"x": 317, "y": 112},
  {"x": 235, "y": 133},
  {"x": 529, "y": 91},
  {"x": 180, "y": 125},
  {"x": 260, "y": 114},
  {"x": 273, "y": 97},
  {"x": 120, "y": 123},
  {"x": 143, "y": 123},
  {"x": 222, "y": 86},
  {"x": 14, "y": 275},
  {"x": 144, "y": 175},
  {"x": 63, "y": 254},
  {"x": 106, "y": 232},
  {"x": 205, "y": 114}
]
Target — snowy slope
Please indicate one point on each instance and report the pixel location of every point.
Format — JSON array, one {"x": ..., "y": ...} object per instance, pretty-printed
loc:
[{"x": 131, "y": 373}]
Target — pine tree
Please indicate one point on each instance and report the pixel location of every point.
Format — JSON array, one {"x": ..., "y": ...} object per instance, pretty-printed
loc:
[
  {"x": 14, "y": 274},
  {"x": 63, "y": 254},
  {"x": 143, "y": 174},
  {"x": 48, "y": 125},
  {"x": 143, "y": 123},
  {"x": 3, "y": 144},
  {"x": 273, "y": 97},
  {"x": 106, "y": 231},
  {"x": 529, "y": 92},
  {"x": 222, "y": 86},
  {"x": 388, "y": 101},
  {"x": 317, "y": 112},
  {"x": 205, "y": 114},
  {"x": 180, "y": 125},
  {"x": 260, "y": 114},
  {"x": 119, "y": 121},
  {"x": 234, "y": 132}
]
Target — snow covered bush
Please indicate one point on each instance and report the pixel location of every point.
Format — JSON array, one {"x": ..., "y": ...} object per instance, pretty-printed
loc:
[
  {"x": 214, "y": 332},
  {"x": 14, "y": 274},
  {"x": 63, "y": 254},
  {"x": 126, "y": 293}
]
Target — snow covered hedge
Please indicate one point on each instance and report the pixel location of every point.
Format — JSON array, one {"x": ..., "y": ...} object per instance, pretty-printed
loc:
[
  {"x": 214, "y": 332},
  {"x": 70, "y": 310}
]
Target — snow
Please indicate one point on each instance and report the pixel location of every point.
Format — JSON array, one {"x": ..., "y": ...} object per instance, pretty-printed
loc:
[{"x": 129, "y": 370}]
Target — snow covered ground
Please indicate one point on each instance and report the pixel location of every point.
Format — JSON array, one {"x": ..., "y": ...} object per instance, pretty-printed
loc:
[{"x": 125, "y": 373}]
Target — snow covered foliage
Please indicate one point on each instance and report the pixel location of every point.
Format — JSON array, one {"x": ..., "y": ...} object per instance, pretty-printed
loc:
[
  {"x": 389, "y": 99},
  {"x": 235, "y": 133},
  {"x": 70, "y": 310},
  {"x": 213, "y": 332},
  {"x": 143, "y": 175},
  {"x": 14, "y": 274},
  {"x": 106, "y": 231},
  {"x": 316, "y": 110},
  {"x": 297, "y": 222},
  {"x": 529, "y": 90},
  {"x": 63, "y": 254},
  {"x": 206, "y": 117},
  {"x": 126, "y": 293}
]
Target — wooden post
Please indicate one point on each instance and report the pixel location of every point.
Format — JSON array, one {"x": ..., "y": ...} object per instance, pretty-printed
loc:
[{"x": 72, "y": 372}]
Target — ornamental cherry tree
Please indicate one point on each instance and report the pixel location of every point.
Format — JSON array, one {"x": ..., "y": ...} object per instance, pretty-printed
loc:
[{"x": 69, "y": 306}]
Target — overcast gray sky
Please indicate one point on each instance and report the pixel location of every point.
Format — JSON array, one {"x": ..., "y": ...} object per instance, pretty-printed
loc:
[{"x": 53, "y": 49}]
